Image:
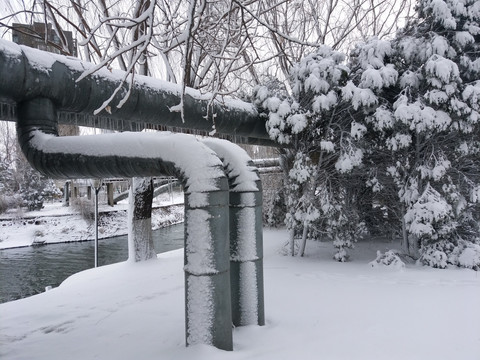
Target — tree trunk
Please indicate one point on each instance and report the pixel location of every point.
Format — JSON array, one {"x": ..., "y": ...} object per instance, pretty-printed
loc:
[
  {"x": 140, "y": 241},
  {"x": 303, "y": 244},
  {"x": 292, "y": 242},
  {"x": 404, "y": 244}
]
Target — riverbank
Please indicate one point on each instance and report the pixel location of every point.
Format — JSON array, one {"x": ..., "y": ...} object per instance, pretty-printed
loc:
[
  {"x": 315, "y": 308},
  {"x": 27, "y": 271},
  {"x": 57, "y": 224}
]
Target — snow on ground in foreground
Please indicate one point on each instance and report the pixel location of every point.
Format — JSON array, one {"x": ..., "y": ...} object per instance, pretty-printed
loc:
[{"x": 315, "y": 309}]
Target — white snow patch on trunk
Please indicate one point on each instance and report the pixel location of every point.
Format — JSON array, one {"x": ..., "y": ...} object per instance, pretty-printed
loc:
[{"x": 139, "y": 240}]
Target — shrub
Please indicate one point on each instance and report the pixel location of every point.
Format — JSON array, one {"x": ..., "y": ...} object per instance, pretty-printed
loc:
[{"x": 389, "y": 259}]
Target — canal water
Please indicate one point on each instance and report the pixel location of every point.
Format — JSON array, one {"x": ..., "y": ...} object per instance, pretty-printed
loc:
[{"x": 27, "y": 271}]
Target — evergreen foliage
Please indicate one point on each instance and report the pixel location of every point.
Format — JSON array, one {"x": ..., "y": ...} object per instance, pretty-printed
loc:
[
  {"x": 428, "y": 123},
  {"x": 35, "y": 188},
  {"x": 314, "y": 124},
  {"x": 391, "y": 141},
  {"x": 21, "y": 185},
  {"x": 8, "y": 197}
]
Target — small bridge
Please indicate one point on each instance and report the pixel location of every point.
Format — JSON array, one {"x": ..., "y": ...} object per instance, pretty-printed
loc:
[
  {"x": 223, "y": 193},
  {"x": 161, "y": 186}
]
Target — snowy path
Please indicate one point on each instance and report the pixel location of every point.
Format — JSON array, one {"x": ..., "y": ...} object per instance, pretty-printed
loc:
[{"x": 315, "y": 309}]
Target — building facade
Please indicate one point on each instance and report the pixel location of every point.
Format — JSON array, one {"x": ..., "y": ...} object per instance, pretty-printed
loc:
[{"x": 43, "y": 37}]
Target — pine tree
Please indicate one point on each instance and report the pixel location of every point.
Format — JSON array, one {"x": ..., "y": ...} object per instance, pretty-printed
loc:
[
  {"x": 34, "y": 188},
  {"x": 314, "y": 124},
  {"x": 6, "y": 185},
  {"x": 425, "y": 129},
  {"x": 404, "y": 119}
]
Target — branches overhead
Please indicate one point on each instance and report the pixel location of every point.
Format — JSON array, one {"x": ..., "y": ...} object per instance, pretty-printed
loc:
[{"x": 217, "y": 46}]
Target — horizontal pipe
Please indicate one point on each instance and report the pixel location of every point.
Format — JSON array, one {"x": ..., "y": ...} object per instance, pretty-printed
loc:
[
  {"x": 109, "y": 155},
  {"x": 28, "y": 73}
]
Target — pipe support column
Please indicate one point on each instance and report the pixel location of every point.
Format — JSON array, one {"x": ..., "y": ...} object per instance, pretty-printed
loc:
[
  {"x": 207, "y": 268},
  {"x": 246, "y": 233},
  {"x": 246, "y": 257}
]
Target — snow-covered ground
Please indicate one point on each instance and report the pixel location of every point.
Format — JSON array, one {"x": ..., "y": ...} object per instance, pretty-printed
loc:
[
  {"x": 315, "y": 307},
  {"x": 56, "y": 223}
]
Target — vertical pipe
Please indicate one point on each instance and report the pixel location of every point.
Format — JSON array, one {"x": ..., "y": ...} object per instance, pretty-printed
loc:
[
  {"x": 208, "y": 313},
  {"x": 97, "y": 189},
  {"x": 246, "y": 233},
  {"x": 246, "y": 257}
]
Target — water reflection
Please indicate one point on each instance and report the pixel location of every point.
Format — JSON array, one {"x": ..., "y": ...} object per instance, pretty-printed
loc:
[{"x": 27, "y": 271}]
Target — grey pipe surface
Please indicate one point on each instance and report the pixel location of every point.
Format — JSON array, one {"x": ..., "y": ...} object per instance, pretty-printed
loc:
[
  {"x": 246, "y": 233},
  {"x": 55, "y": 158},
  {"x": 207, "y": 265},
  {"x": 28, "y": 73}
]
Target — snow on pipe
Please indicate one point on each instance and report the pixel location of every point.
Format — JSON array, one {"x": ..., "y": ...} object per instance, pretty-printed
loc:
[
  {"x": 30, "y": 73},
  {"x": 246, "y": 233},
  {"x": 207, "y": 277}
]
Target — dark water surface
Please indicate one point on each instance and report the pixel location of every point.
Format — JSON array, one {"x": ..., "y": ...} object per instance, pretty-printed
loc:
[{"x": 27, "y": 271}]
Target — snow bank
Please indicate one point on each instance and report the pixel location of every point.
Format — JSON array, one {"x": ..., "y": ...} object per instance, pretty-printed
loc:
[{"x": 62, "y": 224}]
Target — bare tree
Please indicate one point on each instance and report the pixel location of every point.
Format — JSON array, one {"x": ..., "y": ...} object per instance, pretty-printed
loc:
[
  {"x": 216, "y": 46},
  {"x": 7, "y": 142},
  {"x": 296, "y": 28}
]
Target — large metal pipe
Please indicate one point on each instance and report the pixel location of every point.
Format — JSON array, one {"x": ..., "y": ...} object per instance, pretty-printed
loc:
[
  {"x": 207, "y": 266},
  {"x": 246, "y": 233},
  {"x": 42, "y": 83},
  {"x": 28, "y": 73}
]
